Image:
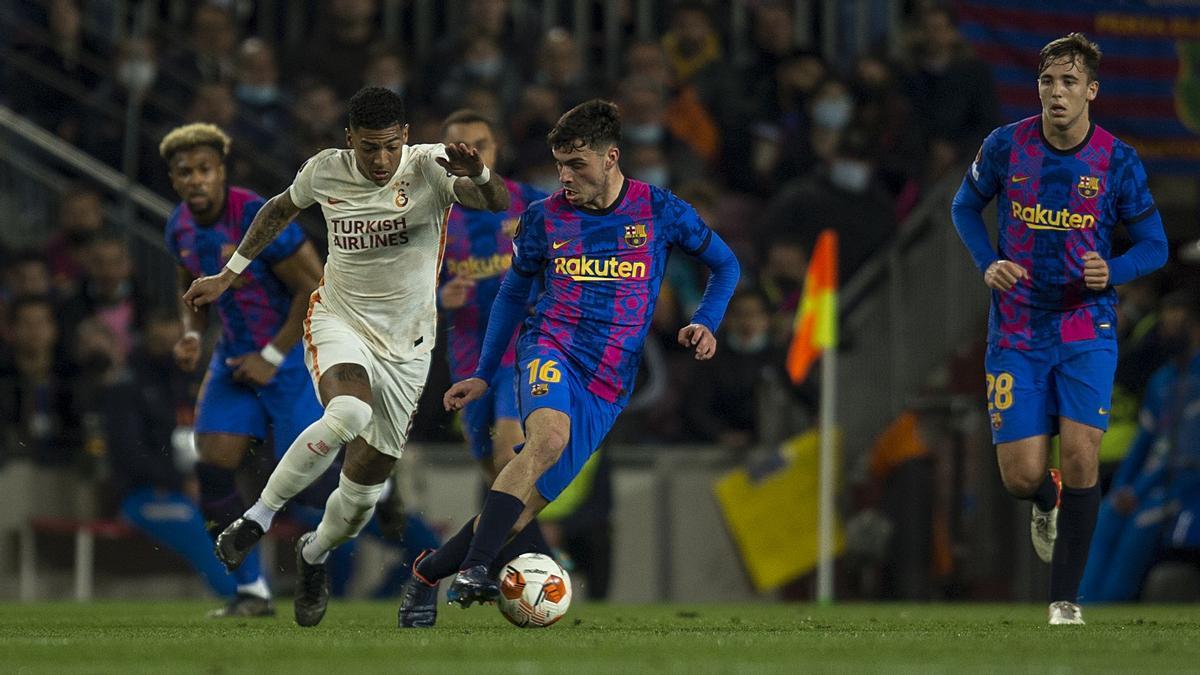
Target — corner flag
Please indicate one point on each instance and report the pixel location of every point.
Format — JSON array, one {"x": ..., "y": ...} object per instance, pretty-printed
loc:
[{"x": 815, "y": 329}]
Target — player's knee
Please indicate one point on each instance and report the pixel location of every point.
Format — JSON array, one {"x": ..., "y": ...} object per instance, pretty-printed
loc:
[
  {"x": 547, "y": 448},
  {"x": 347, "y": 417},
  {"x": 358, "y": 496},
  {"x": 1022, "y": 484}
]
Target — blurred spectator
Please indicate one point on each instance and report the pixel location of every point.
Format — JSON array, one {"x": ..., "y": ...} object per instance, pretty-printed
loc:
[
  {"x": 208, "y": 55},
  {"x": 388, "y": 68},
  {"x": 131, "y": 408},
  {"x": 340, "y": 49},
  {"x": 535, "y": 116},
  {"x": 43, "y": 69},
  {"x": 1155, "y": 495},
  {"x": 318, "y": 124},
  {"x": 772, "y": 40},
  {"x": 781, "y": 280},
  {"x": 647, "y": 58},
  {"x": 885, "y": 113},
  {"x": 723, "y": 399},
  {"x": 842, "y": 194},
  {"x": 831, "y": 109},
  {"x": 80, "y": 219},
  {"x": 213, "y": 102},
  {"x": 25, "y": 274},
  {"x": 560, "y": 68},
  {"x": 705, "y": 99},
  {"x": 37, "y": 417},
  {"x": 481, "y": 63},
  {"x": 258, "y": 93},
  {"x": 952, "y": 92},
  {"x": 109, "y": 293},
  {"x": 779, "y": 146},
  {"x": 657, "y": 153}
]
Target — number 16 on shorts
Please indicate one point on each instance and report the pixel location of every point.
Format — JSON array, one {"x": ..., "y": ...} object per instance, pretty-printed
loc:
[{"x": 542, "y": 374}]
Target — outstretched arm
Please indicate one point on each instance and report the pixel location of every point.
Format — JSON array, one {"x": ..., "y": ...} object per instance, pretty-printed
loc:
[
  {"x": 268, "y": 222},
  {"x": 477, "y": 187}
]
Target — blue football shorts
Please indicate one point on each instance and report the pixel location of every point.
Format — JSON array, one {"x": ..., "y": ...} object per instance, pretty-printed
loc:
[
  {"x": 1029, "y": 390},
  {"x": 546, "y": 380},
  {"x": 280, "y": 410}
]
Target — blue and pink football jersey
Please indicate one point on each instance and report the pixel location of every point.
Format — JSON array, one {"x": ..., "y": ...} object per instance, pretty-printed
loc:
[
  {"x": 602, "y": 272},
  {"x": 1054, "y": 206},
  {"x": 257, "y": 304},
  {"x": 478, "y": 248}
]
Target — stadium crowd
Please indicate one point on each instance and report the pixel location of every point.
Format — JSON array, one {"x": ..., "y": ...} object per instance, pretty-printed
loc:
[{"x": 771, "y": 145}]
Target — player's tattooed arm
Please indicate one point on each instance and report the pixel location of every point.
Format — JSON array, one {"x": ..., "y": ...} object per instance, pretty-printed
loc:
[{"x": 268, "y": 222}]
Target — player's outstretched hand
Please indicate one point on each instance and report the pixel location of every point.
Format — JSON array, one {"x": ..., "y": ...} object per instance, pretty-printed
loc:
[
  {"x": 1002, "y": 275},
  {"x": 251, "y": 369},
  {"x": 187, "y": 351},
  {"x": 454, "y": 293},
  {"x": 463, "y": 392},
  {"x": 1095, "y": 271},
  {"x": 206, "y": 290},
  {"x": 700, "y": 337},
  {"x": 461, "y": 160}
]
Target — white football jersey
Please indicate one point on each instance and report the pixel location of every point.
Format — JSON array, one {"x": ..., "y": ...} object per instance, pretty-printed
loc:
[{"x": 385, "y": 244}]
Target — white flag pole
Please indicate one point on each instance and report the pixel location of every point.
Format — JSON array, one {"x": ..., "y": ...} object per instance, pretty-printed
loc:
[{"x": 828, "y": 476}]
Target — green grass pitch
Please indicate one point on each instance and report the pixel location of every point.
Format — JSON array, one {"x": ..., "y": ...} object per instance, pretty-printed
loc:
[{"x": 360, "y": 637}]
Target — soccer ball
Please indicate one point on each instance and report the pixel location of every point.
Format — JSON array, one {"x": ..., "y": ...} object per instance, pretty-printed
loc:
[{"x": 534, "y": 591}]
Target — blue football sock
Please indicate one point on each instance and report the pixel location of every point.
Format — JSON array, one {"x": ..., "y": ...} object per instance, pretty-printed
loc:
[{"x": 500, "y": 512}]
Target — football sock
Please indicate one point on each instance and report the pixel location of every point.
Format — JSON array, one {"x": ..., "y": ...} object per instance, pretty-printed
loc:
[
  {"x": 528, "y": 540},
  {"x": 261, "y": 514},
  {"x": 500, "y": 512},
  {"x": 315, "y": 449},
  {"x": 257, "y": 588},
  {"x": 449, "y": 557},
  {"x": 220, "y": 502},
  {"x": 347, "y": 511},
  {"x": 1076, "y": 522},
  {"x": 1046, "y": 496}
]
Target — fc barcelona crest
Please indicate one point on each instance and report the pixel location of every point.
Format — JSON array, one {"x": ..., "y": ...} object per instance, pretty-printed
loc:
[
  {"x": 539, "y": 389},
  {"x": 635, "y": 235},
  {"x": 1089, "y": 186},
  {"x": 997, "y": 421}
]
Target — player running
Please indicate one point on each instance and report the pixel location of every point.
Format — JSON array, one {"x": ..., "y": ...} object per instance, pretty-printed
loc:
[
  {"x": 1052, "y": 351},
  {"x": 370, "y": 324},
  {"x": 600, "y": 245},
  {"x": 256, "y": 381}
]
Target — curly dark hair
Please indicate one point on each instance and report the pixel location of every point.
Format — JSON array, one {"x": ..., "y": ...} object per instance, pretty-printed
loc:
[
  {"x": 594, "y": 124},
  {"x": 1072, "y": 46},
  {"x": 376, "y": 108}
]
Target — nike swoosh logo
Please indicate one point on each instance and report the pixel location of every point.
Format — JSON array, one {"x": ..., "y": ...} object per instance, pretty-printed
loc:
[
  {"x": 333, "y": 201},
  {"x": 1103, "y": 411},
  {"x": 559, "y": 244},
  {"x": 1020, "y": 179}
]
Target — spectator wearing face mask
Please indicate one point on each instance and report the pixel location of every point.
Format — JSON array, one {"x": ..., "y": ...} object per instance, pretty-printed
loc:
[
  {"x": 258, "y": 94},
  {"x": 780, "y": 145},
  {"x": 37, "y": 413},
  {"x": 658, "y": 154},
  {"x": 340, "y": 47},
  {"x": 842, "y": 194}
]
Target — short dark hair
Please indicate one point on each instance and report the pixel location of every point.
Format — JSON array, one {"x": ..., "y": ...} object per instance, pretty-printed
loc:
[
  {"x": 468, "y": 116},
  {"x": 1072, "y": 46},
  {"x": 376, "y": 108},
  {"x": 593, "y": 124}
]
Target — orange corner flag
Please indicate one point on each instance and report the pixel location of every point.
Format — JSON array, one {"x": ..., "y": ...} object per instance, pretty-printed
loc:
[{"x": 815, "y": 329}]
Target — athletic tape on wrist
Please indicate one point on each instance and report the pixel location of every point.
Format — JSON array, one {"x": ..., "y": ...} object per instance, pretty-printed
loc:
[
  {"x": 271, "y": 355},
  {"x": 483, "y": 177},
  {"x": 237, "y": 263}
]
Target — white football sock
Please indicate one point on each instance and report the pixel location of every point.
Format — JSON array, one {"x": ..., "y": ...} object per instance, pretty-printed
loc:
[
  {"x": 347, "y": 511},
  {"x": 261, "y": 514},
  {"x": 258, "y": 588},
  {"x": 314, "y": 450}
]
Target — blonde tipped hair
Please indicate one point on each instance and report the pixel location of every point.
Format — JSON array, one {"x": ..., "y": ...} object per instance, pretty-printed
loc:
[{"x": 191, "y": 136}]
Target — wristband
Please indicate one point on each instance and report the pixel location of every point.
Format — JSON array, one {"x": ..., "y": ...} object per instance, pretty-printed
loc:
[
  {"x": 483, "y": 177},
  {"x": 237, "y": 263},
  {"x": 192, "y": 334},
  {"x": 271, "y": 355}
]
